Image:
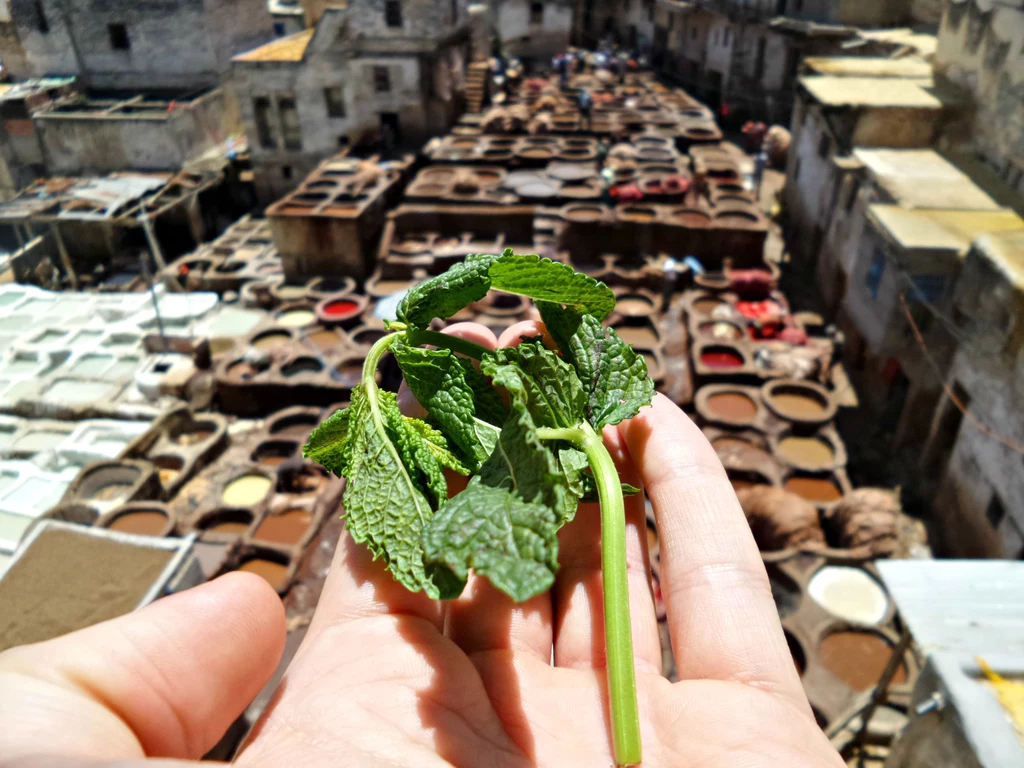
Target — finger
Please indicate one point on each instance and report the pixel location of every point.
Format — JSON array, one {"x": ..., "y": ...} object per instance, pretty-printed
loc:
[
  {"x": 579, "y": 592},
  {"x": 721, "y": 615},
  {"x": 484, "y": 619},
  {"x": 530, "y": 329},
  {"x": 164, "y": 681},
  {"x": 478, "y": 334}
]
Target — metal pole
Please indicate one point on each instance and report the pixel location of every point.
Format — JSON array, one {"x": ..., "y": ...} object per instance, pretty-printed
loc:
[
  {"x": 154, "y": 246},
  {"x": 147, "y": 276},
  {"x": 65, "y": 257}
]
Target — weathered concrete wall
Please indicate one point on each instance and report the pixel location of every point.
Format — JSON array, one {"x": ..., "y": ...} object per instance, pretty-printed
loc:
[
  {"x": 11, "y": 49},
  {"x": 896, "y": 127},
  {"x": 927, "y": 12},
  {"x": 811, "y": 182},
  {"x": 990, "y": 370},
  {"x": 982, "y": 51},
  {"x": 172, "y": 43},
  {"x": 521, "y": 37},
  {"x": 721, "y": 35},
  {"x": 420, "y": 18},
  {"x": 873, "y": 13},
  {"x": 81, "y": 144}
]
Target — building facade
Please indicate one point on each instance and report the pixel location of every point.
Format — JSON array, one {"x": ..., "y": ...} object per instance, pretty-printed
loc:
[
  {"x": 365, "y": 71},
  {"x": 981, "y": 51},
  {"x": 976, "y": 444},
  {"x": 132, "y": 44},
  {"x": 533, "y": 31}
]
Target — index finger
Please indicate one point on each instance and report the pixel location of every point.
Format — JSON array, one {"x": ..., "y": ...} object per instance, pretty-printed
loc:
[{"x": 721, "y": 614}]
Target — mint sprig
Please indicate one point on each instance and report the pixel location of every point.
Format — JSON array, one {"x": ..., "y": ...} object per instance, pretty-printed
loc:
[{"x": 534, "y": 459}]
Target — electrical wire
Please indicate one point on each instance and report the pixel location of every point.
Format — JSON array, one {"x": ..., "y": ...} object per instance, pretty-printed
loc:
[{"x": 1010, "y": 443}]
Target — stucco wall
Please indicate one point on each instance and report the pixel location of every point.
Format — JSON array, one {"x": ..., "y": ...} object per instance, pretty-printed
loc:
[
  {"x": 173, "y": 43},
  {"x": 522, "y": 38},
  {"x": 76, "y": 145}
]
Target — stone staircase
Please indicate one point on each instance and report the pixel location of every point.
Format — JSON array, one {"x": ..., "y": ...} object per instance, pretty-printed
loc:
[{"x": 476, "y": 85}]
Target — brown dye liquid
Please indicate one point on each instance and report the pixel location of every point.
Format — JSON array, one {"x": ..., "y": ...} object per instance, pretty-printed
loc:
[
  {"x": 296, "y": 430},
  {"x": 807, "y": 452},
  {"x": 273, "y": 461},
  {"x": 739, "y": 485},
  {"x": 67, "y": 580},
  {"x": 732, "y": 406},
  {"x": 798, "y": 406},
  {"x": 814, "y": 489},
  {"x": 273, "y": 573},
  {"x": 229, "y": 527},
  {"x": 707, "y": 306},
  {"x": 638, "y": 215},
  {"x": 642, "y": 336},
  {"x": 286, "y": 528},
  {"x": 147, "y": 523},
  {"x": 858, "y": 658},
  {"x": 691, "y": 219},
  {"x": 325, "y": 339}
]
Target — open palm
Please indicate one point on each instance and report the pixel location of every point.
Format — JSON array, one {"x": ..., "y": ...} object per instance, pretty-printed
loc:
[{"x": 386, "y": 677}]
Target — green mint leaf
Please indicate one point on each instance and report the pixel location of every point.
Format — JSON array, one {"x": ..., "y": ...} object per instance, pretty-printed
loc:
[
  {"x": 613, "y": 374},
  {"x": 553, "y": 392},
  {"x": 326, "y": 444},
  {"x": 521, "y": 463},
  {"x": 512, "y": 542},
  {"x": 438, "y": 380},
  {"x": 389, "y": 467},
  {"x": 489, "y": 405},
  {"x": 574, "y": 466},
  {"x": 438, "y": 445},
  {"x": 446, "y": 294},
  {"x": 547, "y": 280},
  {"x": 562, "y": 323}
]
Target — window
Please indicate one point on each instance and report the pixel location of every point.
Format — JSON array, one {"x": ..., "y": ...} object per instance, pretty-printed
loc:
[
  {"x": 291, "y": 128},
  {"x": 796, "y": 170},
  {"x": 875, "y": 273},
  {"x": 264, "y": 125},
  {"x": 928, "y": 288},
  {"x": 343, "y": 141},
  {"x": 996, "y": 511},
  {"x": 335, "y": 101},
  {"x": 278, "y": 29},
  {"x": 693, "y": 33},
  {"x": 286, "y": 172},
  {"x": 726, "y": 35},
  {"x": 759, "y": 57},
  {"x": 852, "y": 199},
  {"x": 823, "y": 145},
  {"x": 536, "y": 13},
  {"x": 42, "y": 23},
  {"x": 393, "y": 13},
  {"x": 119, "y": 37},
  {"x": 381, "y": 79}
]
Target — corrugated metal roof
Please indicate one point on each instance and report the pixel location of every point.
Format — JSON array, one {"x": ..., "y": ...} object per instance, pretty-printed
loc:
[
  {"x": 941, "y": 229},
  {"x": 839, "y": 91},
  {"x": 922, "y": 178},
  {"x": 1006, "y": 252},
  {"x": 291, "y": 48},
  {"x": 869, "y": 66},
  {"x": 973, "y": 607}
]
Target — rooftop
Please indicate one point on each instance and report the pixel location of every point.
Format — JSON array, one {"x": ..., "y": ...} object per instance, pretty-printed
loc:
[
  {"x": 869, "y": 66},
  {"x": 137, "y": 107},
  {"x": 27, "y": 88},
  {"x": 922, "y": 42},
  {"x": 940, "y": 229},
  {"x": 842, "y": 91},
  {"x": 922, "y": 178},
  {"x": 291, "y": 48},
  {"x": 1006, "y": 251}
]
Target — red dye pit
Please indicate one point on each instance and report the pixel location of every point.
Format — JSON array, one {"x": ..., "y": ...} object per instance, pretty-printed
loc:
[
  {"x": 723, "y": 359},
  {"x": 341, "y": 308}
]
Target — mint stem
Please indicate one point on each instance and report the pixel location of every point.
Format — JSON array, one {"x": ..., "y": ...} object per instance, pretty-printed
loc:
[
  {"x": 618, "y": 635},
  {"x": 418, "y": 338}
]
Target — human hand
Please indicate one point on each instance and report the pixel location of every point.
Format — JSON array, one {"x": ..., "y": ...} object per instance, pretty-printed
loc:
[{"x": 386, "y": 677}]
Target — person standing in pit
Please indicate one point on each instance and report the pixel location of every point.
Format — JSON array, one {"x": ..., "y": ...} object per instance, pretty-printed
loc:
[{"x": 585, "y": 102}]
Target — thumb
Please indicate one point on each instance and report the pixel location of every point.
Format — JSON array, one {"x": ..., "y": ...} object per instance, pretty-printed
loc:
[{"x": 164, "y": 681}]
